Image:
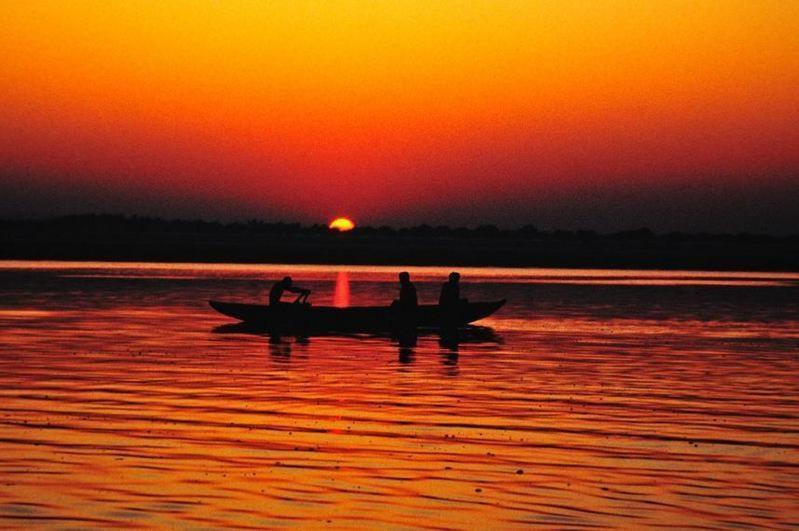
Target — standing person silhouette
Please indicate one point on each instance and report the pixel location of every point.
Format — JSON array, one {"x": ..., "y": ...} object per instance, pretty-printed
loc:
[{"x": 286, "y": 285}]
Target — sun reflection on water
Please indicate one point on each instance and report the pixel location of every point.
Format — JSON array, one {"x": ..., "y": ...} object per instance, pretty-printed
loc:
[{"x": 341, "y": 295}]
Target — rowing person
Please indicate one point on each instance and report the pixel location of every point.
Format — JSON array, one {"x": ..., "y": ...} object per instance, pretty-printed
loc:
[{"x": 286, "y": 285}]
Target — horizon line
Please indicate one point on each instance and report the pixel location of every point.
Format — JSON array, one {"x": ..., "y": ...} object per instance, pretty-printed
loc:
[{"x": 530, "y": 228}]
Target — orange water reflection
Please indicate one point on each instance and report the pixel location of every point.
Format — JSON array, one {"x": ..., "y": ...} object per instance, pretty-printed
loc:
[
  {"x": 602, "y": 406},
  {"x": 341, "y": 296}
]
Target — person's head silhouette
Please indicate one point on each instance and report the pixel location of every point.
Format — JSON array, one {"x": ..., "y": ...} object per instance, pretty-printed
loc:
[
  {"x": 287, "y": 281},
  {"x": 404, "y": 277},
  {"x": 454, "y": 277}
]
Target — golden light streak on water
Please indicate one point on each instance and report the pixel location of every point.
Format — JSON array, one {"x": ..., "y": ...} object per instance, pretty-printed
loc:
[{"x": 341, "y": 295}]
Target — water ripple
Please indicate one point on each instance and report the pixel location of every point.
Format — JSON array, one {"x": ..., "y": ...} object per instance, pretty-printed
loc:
[{"x": 590, "y": 406}]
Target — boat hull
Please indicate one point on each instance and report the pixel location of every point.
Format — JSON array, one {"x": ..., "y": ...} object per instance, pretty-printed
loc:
[{"x": 355, "y": 318}]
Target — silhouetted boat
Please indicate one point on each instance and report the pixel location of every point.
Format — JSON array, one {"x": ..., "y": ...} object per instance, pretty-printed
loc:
[{"x": 355, "y": 318}]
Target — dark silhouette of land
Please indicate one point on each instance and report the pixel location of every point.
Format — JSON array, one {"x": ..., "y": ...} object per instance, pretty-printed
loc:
[{"x": 123, "y": 238}]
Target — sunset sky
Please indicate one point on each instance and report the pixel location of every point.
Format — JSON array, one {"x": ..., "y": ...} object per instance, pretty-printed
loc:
[{"x": 574, "y": 114}]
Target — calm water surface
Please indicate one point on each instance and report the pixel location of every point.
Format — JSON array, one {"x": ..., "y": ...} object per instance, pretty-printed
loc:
[{"x": 593, "y": 399}]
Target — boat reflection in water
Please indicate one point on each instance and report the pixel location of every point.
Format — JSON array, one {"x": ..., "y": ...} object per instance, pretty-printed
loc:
[{"x": 280, "y": 344}]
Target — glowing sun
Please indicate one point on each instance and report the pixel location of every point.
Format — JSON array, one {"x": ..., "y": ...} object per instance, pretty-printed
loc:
[{"x": 342, "y": 224}]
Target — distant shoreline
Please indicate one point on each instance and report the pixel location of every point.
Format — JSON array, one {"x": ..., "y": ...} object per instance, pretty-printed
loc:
[{"x": 118, "y": 238}]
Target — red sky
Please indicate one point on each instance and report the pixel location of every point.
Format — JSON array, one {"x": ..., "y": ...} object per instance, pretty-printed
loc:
[{"x": 605, "y": 115}]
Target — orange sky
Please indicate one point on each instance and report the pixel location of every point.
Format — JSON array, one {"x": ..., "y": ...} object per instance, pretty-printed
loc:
[{"x": 550, "y": 112}]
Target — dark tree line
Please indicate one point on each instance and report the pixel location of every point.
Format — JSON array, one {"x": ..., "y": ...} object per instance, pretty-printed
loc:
[{"x": 98, "y": 224}]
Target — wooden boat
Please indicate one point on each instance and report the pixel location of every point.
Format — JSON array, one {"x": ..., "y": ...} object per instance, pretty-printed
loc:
[{"x": 355, "y": 318}]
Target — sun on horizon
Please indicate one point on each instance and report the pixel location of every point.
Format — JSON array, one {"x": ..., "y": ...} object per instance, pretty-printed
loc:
[{"x": 341, "y": 224}]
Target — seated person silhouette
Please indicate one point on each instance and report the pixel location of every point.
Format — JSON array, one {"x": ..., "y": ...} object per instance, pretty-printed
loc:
[
  {"x": 286, "y": 285},
  {"x": 450, "y": 291},
  {"x": 407, "y": 304},
  {"x": 407, "y": 295},
  {"x": 450, "y": 299}
]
